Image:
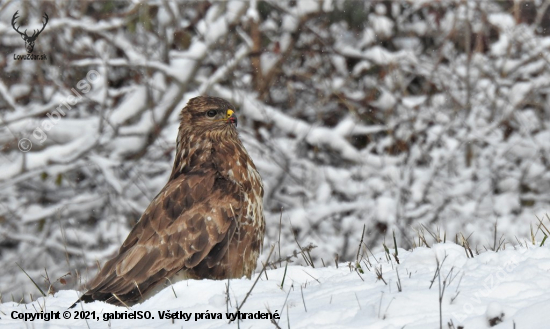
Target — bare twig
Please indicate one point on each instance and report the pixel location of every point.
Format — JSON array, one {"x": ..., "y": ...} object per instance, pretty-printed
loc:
[{"x": 239, "y": 306}]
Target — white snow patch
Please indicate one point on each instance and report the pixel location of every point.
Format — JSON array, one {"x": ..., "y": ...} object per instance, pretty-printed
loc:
[
  {"x": 382, "y": 25},
  {"x": 511, "y": 285},
  {"x": 132, "y": 105},
  {"x": 503, "y": 21},
  {"x": 519, "y": 92}
]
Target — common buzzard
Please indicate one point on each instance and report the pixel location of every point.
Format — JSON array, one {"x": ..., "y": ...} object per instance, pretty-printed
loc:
[{"x": 206, "y": 223}]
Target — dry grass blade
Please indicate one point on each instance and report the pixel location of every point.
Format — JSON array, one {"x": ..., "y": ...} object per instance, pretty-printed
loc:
[
  {"x": 380, "y": 304},
  {"x": 436, "y": 237},
  {"x": 466, "y": 245},
  {"x": 284, "y": 276},
  {"x": 280, "y": 229},
  {"x": 307, "y": 259},
  {"x": 379, "y": 273},
  {"x": 303, "y": 300},
  {"x": 294, "y": 254},
  {"x": 272, "y": 319},
  {"x": 396, "y": 254},
  {"x": 311, "y": 276},
  {"x": 360, "y": 244},
  {"x": 28, "y": 276},
  {"x": 171, "y": 286},
  {"x": 387, "y": 308},
  {"x": 399, "y": 285},
  {"x": 286, "y": 299},
  {"x": 139, "y": 290},
  {"x": 544, "y": 226},
  {"x": 227, "y": 297},
  {"x": 120, "y": 300},
  {"x": 253, "y": 285}
]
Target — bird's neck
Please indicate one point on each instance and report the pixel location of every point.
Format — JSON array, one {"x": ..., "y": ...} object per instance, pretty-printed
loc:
[{"x": 210, "y": 150}]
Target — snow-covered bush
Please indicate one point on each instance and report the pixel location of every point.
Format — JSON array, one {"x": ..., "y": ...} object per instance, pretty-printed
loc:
[{"x": 384, "y": 114}]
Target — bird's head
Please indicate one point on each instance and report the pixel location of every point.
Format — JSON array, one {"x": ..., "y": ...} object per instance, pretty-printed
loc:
[
  {"x": 207, "y": 123},
  {"x": 209, "y": 114}
]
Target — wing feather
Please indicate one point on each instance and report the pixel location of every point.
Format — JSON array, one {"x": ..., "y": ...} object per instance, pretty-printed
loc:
[{"x": 190, "y": 221}]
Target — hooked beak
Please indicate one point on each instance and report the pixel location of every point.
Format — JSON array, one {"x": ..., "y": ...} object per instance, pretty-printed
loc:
[{"x": 231, "y": 117}]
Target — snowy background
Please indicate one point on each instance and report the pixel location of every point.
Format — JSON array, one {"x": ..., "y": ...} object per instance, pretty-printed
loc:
[{"x": 413, "y": 119}]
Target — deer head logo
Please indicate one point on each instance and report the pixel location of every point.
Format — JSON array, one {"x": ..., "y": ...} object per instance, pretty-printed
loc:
[{"x": 29, "y": 40}]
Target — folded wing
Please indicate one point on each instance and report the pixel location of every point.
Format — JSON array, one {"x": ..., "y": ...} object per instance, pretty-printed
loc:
[{"x": 189, "y": 224}]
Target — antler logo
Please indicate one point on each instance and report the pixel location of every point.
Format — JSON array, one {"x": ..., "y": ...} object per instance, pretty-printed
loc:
[{"x": 29, "y": 40}]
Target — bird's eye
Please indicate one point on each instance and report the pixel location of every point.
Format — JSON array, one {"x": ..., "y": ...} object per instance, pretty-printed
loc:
[{"x": 212, "y": 113}]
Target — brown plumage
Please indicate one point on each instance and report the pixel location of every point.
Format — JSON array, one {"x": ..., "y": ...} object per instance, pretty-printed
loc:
[{"x": 207, "y": 222}]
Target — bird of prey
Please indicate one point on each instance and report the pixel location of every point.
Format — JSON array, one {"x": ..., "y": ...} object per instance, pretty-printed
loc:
[{"x": 206, "y": 223}]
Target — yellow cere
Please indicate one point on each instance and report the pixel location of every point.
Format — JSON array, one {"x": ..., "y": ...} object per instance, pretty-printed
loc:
[{"x": 229, "y": 113}]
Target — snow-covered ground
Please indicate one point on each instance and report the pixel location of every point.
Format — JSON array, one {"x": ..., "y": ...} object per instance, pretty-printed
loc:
[{"x": 505, "y": 289}]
